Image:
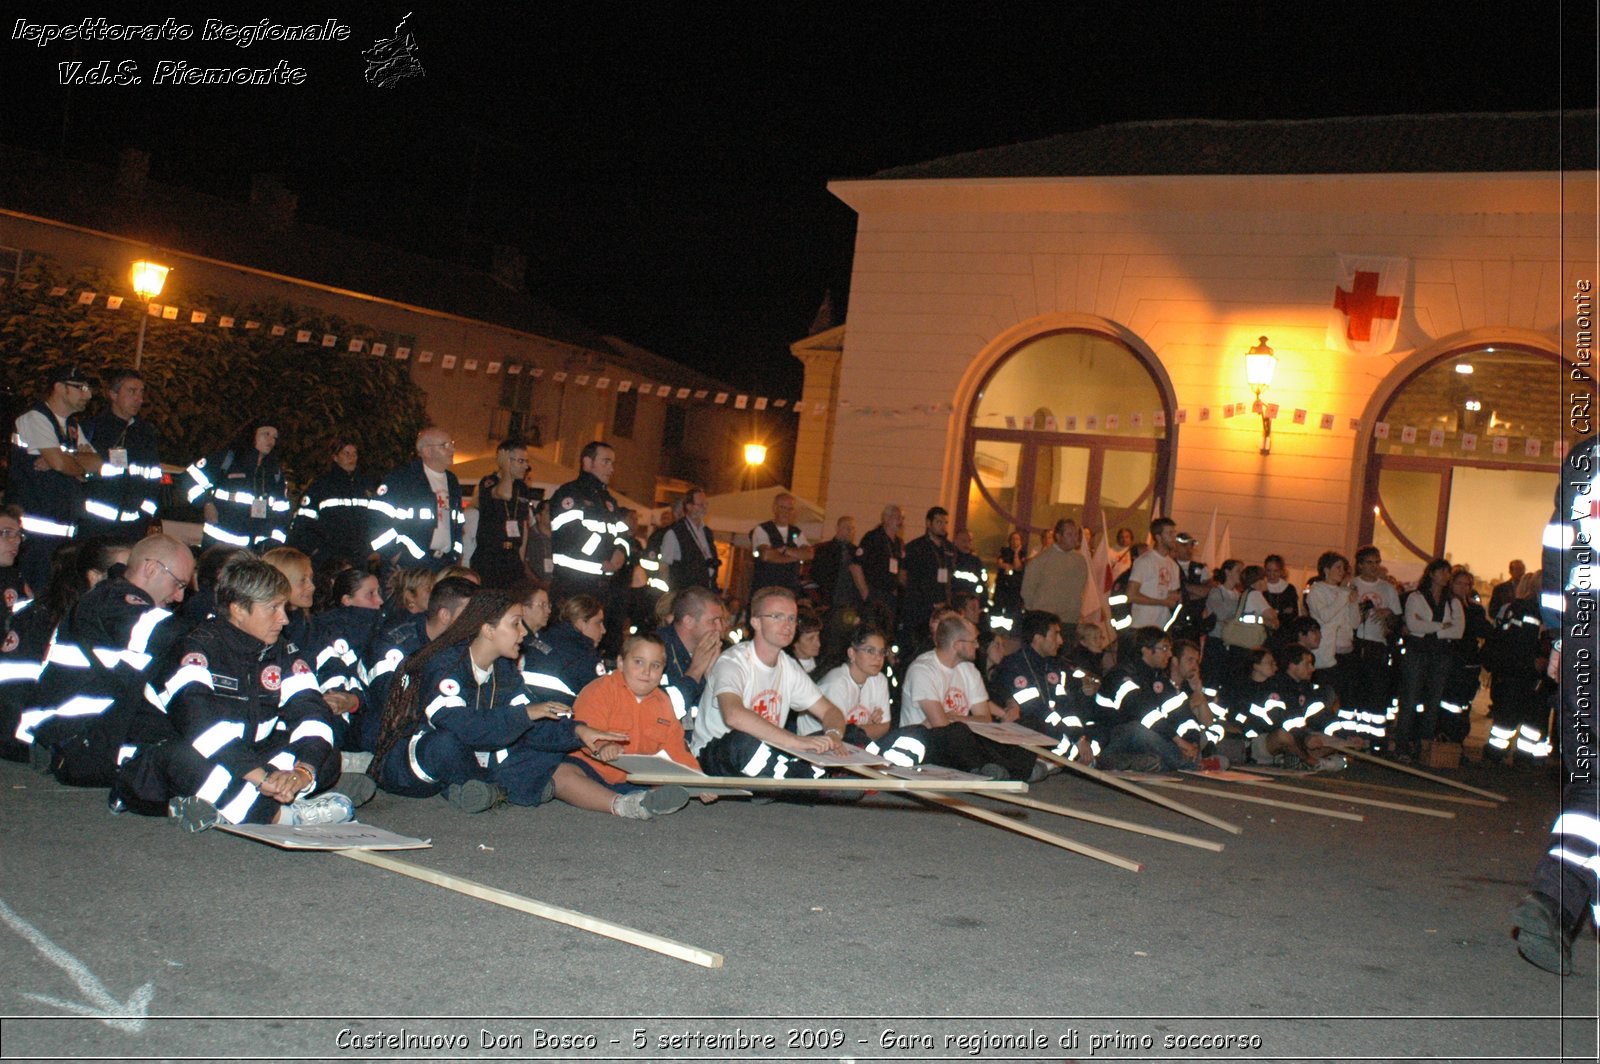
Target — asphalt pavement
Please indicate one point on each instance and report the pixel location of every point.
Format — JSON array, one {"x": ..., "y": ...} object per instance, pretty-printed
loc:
[{"x": 879, "y": 930}]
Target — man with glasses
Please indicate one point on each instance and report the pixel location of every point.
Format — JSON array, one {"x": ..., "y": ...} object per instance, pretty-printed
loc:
[
  {"x": 689, "y": 549},
  {"x": 12, "y": 590},
  {"x": 750, "y": 693},
  {"x": 99, "y": 662},
  {"x": 50, "y": 459},
  {"x": 417, "y": 519}
]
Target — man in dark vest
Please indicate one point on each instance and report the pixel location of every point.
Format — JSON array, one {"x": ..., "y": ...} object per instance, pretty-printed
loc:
[
  {"x": 780, "y": 547},
  {"x": 120, "y": 501},
  {"x": 50, "y": 460},
  {"x": 689, "y": 550}
]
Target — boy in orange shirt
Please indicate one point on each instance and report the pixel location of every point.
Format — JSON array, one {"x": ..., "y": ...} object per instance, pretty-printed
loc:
[{"x": 632, "y": 701}]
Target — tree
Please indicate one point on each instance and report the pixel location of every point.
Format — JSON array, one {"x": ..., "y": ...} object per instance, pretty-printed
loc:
[{"x": 203, "y": 383}]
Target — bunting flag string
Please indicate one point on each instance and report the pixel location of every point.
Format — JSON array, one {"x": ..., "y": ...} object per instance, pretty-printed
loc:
[{"x": 455, "y": 362}]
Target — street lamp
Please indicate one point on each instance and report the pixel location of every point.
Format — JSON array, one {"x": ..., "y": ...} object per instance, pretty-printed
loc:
[
  {"x": 148, "y": 279},
  {"x": 1259, "y": 365},
  {"x": 754, "y": 454}
]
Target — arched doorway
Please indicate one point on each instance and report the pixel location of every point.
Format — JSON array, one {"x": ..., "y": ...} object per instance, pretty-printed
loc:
[
  {"x": 1069, "y": 423},
  {"x": 1438, "y": 484}
]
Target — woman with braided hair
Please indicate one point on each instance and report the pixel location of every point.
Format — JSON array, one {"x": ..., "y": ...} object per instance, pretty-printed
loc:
[{"x": 460, "y": 721}]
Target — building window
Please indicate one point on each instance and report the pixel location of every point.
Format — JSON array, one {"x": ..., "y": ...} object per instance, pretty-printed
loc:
[
  {"x": 1454, "y": 475},
  {"x": 1065, "y": 426},
  {"x": 674, "y": 428},
  {"x": 627, "y": 410}
]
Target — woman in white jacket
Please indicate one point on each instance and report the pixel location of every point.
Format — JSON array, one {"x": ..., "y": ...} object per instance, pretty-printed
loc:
[{"x": 1331, "y": 600}]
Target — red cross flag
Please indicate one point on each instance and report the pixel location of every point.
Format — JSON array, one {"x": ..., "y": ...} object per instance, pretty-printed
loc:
[{"x": 1365, "y": 316}]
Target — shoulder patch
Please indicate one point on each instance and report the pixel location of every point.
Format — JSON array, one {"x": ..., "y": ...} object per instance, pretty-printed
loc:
[
  {"x": 272, "y": 677},
  {"x": 195, "y": 658},
  {"x": 299, "y": 668},
  {"x": 599, "y": 668},
  {"x": 133, "y": 600},
  {"x": 566, "y": 503},
  {"x": 1053, "y": 677},
  {"x": 1158, "y": 687},
  {"x": 11, "y": 597},
  {"x": 1021, "y": 682},
  {"x": 340, "y": 646},
  {"x": 449, "y": 687},
  {"x": 383, "y": 489},
  {"x": 11, "y": 642}
]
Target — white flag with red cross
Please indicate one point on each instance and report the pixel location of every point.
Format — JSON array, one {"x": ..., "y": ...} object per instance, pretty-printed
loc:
[{"x": 1365, "y": 316}]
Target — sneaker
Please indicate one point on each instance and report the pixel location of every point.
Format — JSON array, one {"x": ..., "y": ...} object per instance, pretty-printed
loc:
[
  {"x": 1542, "y": 940},
  {"x": 329, "y": 808},
  {"x": 474, "y": 796},
  {"x": 647, "y": 805},
  {"x": 354, "y": 761},
  {"x": 356, "y": 786},
  {"x": 993, "y": 771},
  {"x": 1333, "y": 763},
  {"x": 194, "y": 814},
  {"x": 1215, "y": 763},
  {"x": 1040, "y": 770}
]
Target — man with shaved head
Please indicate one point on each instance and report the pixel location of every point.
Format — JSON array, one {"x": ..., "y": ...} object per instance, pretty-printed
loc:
[
  {"x": 96, "y": 669},
  {"x": 416, "y": 517}
]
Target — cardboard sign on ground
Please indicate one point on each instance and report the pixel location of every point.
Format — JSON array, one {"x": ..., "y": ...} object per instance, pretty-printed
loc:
[{"x": 352, "y": 836}]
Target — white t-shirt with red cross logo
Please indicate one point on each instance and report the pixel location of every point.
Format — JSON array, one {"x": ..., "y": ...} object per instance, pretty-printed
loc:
[
  {"x": 772, "y": 691},
  {"x": 930, "y": 680}
]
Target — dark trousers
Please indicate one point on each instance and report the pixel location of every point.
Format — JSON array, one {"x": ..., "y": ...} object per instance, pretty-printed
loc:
[
  {"x": 1424, "y": 669},
  {"x": 1576, "y": 835},
  {"x": 524, "y": 770},
  {"x": 175, "y": 769},
  {"x": 739, "y": 754},
  {"x": 954, "y": 746}
]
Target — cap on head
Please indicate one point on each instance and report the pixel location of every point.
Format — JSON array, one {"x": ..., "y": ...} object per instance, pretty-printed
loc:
[{"x": 69, "y": 373}]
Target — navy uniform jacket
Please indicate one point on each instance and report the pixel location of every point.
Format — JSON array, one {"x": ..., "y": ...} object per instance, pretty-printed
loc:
[
  {"x": 120, "y": 500},
  {"x": 243, "y": 704},
  {"x": 1135, "y": 693},
  {"x": 251, "y": 497},
  {"x": 881, "y": 559},
  {"x": 683, "y": 690},
  {"x": 96, "y": 668},
  {"x": 404, "y": 514},
  {"x": 331, "y": 523},
  {"x": 559, "y": 663},
  {"x": 586, "y": 526}
]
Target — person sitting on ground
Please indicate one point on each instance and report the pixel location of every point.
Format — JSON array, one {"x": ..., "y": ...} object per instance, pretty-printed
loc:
[
  {"x": 393, "y": 645},
  {"x": 1196, "y": 727},
  {"x": 807, "y": 643},
  {"x": 1286, "y": 718},
  {"x": 340, "y": 630},
  {"x": 942, "y": 691},
  {"x": 858, "y": 688},
  {"x": 100, "y": 658},
  {"x": 460, "y": 722},
  {"x": 200, "y": 604},
  {"x": 1038, "y": 684},
  {"x": 237, "y": 731},
  {"x": 691, "y": 632},
  {"x": 632, "y": 702},
  {"x": 1136, "y": 697},
  {"x": 567, "y": 657},
  {"x": 750, "y": 693}
]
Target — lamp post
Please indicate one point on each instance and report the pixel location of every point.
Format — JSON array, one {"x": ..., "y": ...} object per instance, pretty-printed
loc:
[
  {"x": 148, "y": 279},
  {"x": 754, "y": 455},
  {"x": 1259, "y": 365}
]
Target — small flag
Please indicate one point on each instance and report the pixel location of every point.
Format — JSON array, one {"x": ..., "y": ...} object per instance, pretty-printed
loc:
[{"x": 447, "y": 362}]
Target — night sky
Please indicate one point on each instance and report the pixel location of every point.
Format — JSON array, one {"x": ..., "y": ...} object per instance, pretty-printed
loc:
[{"x": 663, "y": 166}]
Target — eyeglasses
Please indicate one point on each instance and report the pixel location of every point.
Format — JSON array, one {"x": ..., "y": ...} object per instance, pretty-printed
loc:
[
  {"x": 75, "y": 384},
  {"x": 447, "y": 445},
  {"x": 870, "y": 651},
  {"x": 780, "y": 618},
  {"x": 176, "y": 579},
  {"x": 12, "y": 533}
]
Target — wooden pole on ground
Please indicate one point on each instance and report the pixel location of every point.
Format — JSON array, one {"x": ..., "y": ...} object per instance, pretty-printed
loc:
[
  {"x": 1412, "y": 791},
  {"x": 1124, "y": 785},
  {"x": 1232, "y": 797},
  {"x": 879, "y": 783},
  {"x": 991, "y": 817},
  {"x": 570, "y": 917},
  {"x": 1408, "y": 770},
  {"x": 1110, "y": 822},
  {"x": 1442, "y": 814}
]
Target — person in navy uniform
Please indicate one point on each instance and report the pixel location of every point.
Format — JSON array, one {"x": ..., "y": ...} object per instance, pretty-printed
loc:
[
  {"x": 330, "y": 525},
  {"x": 243, "y": 491},
  {"x": 588, "y": 531},
  {"x": 50, "y": 460},
  {"x": 120, "y": 500},
  {"x": 416, "y": 516}
]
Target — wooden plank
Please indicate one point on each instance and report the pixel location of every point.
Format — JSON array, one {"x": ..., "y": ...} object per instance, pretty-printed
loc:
[
  {"x": 1442, "y": 814},
  {"x": 1412, "y": 791},
  {"x": 1108, "y": 821},
  {"x": 1408, "y": 770},
  {"x": 990, "y": 817},
  {"x": 593, "y": 924},
  {"x": 1123, "y": 785},
  {"x": 884, "y": 783},
  {"x": 1217, "y": 792}
]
